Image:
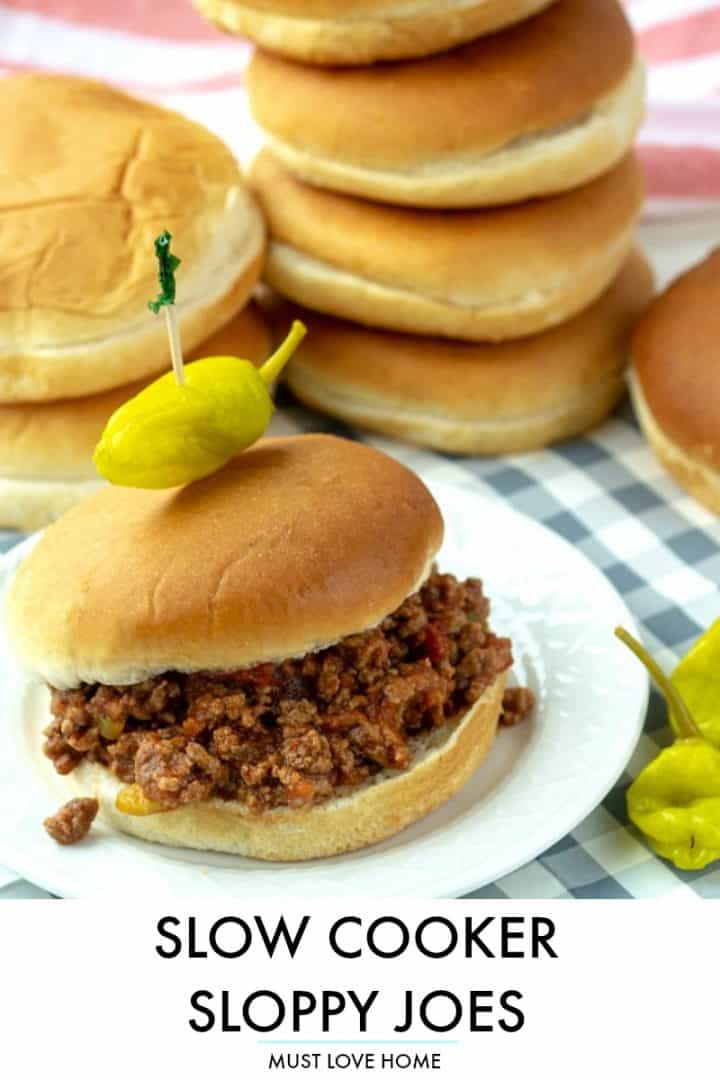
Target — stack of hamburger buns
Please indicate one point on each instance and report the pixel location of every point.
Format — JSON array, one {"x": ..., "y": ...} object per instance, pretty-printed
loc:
[
  {"x": 90, "y": 177},
  {"x": 451, "y": 195}
]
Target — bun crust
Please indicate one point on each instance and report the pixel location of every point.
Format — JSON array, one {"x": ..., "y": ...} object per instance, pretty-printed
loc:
[
  {"x": 435, "y": 147},
  {"x": 698, "y": 478},
  {"x": 507, "y": 398},
  {"x": 295, "y": 544},
  {"x": 474, "y": 275},
  {"x": 28, "y": 505},
  {"x": 543, "y": 164},
  {"x": 675, "y": 360},
  {"x": 88, "y": 174},
  {"x": 366, "y": 30},
  {"x": 443, "y": 764}
]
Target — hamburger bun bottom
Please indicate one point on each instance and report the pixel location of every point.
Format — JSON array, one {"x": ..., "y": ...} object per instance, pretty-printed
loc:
[
  {"x": 477, "y": 275},
  {"x": 322, "y": 287},
  {"x": 511, "y": 397},
  {"x": 443, "y": 762},
  {"x": 455, "y": 434},
  {"x": 428, "y": 26},
  {"x": 28, "y": 505}
]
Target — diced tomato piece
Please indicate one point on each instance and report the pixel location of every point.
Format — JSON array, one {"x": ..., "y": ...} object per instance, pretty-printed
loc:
[{"x": 436, "y": 643}]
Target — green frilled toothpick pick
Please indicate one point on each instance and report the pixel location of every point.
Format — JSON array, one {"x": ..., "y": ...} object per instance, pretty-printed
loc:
[{"x": 167, "y": 265}]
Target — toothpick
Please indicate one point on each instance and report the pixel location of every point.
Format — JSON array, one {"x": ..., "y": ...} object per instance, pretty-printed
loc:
[
  {"x": 167, "y": 265},
  {"x": 173, "y": 329}
]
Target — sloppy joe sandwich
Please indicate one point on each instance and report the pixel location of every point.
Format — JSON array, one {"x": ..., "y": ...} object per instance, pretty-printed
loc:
[
  {"x": 471, "y": 274},
  {"x": 362, "y": 31},
  {"x": 266, "y": 661},
  {"x": 88, "y": 173},
  {"x": 676, "y": 379},
  {"x": 475, "y": 398},
  {"x": 46, "y": 448},
  {"x": 464, "y": 129}
]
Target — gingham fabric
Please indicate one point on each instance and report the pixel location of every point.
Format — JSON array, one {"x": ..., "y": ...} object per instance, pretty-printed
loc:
[{"x": 606, "y": 493}]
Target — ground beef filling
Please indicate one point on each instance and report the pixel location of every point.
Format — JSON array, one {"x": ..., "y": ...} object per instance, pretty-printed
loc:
[
  {"x": 72, "y": 821},
  {"x": 297, "y": 732},
  {"x": 518, "y": 703}
]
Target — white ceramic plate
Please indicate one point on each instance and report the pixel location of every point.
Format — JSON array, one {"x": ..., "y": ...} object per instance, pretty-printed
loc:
[{"x": 539, "y": 781}]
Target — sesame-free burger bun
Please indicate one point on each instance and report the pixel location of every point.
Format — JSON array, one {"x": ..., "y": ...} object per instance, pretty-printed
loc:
[
  {"x": 463, "y": 129},
  {"x": 442, "y": 763},
  {"x": 290, "y": 547},
  {"x": 46, "y": 448},
  {"x": 475, "y": 398},
  {"x": 362, "y": 31},
  {"x": 90, "y": 177},
  {"x": 472, "y": 274},
  {"x": 676, "y": 379}
]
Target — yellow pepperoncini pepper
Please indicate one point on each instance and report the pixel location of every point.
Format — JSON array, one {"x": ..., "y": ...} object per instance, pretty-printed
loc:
[
  {"x": 110, "y": 729},
  {"x": 169, "y": 435},
  {"x": 675, "y": 800},
  {"x": 131, "y": 800},
  {"x": 190, "y": 422}
]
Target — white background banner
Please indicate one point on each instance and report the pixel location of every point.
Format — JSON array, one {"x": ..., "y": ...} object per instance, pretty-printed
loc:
[{"x": 630, "y": 990}]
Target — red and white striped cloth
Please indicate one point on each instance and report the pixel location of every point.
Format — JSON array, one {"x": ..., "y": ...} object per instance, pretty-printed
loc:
[{"x": 164, "y": 50}]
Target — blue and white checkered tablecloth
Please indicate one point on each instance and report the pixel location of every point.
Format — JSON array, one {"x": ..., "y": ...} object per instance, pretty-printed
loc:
[{"x": 660, "y": 549}]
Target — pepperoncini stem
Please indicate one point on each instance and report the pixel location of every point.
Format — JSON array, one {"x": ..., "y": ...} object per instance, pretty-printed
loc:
[
  {"x": 272, "y": 367},
  {"x": 680, "y": 716}
]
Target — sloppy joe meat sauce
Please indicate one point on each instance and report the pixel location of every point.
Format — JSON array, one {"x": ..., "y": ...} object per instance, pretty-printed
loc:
[{"x": 297, "y": 732}]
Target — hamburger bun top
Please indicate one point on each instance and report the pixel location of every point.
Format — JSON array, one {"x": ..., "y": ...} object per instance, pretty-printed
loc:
[
  {"x": 544, "y": 73},
  {"x": 90, "y": 177},
  {"x": 470, "y": 257},
  {"x": 293, "y": 545},
  {"x": 675, "y": 356},
  {"x": 55, "y": 440}
]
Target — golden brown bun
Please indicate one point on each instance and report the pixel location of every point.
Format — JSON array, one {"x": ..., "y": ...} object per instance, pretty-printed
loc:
[
  {"x": 295, "y": 544},
  {"x": 475, "y": 399},
  {"x": 435, "y": 147},
  {"x": 46, "y": 448},
  {"x": 572, "y": 55},
  {"x": 675, "y": 359},
  {"x": 442, "y": 764},
  {"x": 365, "y": 30},
  {"x": 702, "y": 481},
  {"x": 28, "y": 505},
  {"x": 474, "y": 274},
  {"x": 90, "y": 177},
  {"x": 675, "y": 354}
]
